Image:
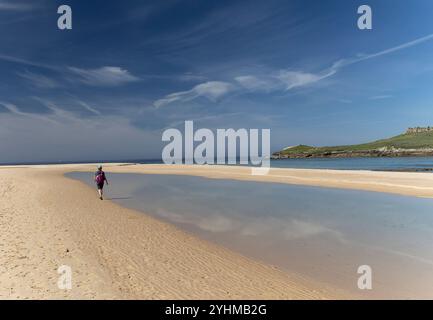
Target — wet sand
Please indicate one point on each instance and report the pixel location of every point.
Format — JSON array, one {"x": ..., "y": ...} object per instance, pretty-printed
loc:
[{"x": 48, "y": 220}]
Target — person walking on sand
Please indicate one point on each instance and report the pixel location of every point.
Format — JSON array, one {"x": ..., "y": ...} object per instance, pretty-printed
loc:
[{"x": 100, "y": 179}]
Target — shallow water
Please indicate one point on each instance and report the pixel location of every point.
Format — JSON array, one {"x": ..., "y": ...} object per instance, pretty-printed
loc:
[{"x": 323, "y": 233}]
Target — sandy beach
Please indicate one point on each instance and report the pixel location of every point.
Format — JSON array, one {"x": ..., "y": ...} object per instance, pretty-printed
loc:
[{"x": 48, "y": 220}]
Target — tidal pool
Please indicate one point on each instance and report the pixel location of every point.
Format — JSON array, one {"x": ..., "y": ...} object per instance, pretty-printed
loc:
[{"x": 323, "y": 233}]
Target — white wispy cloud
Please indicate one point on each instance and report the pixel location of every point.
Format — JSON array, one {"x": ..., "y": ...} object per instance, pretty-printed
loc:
[
  {"x": 13, "y": 109},
  {"x": 108, "y": 76},
  {"x": 26, "y": 62},
  {"x": 64, "y": 135},
  {"x": 105, "y": 76},
  {"x": 15, "y": 6},
  {"x": 361, "y": 57},
  {"x": 56, "y": 115},
  {"x": 257, "y": 83},
  {"x": 380, "y": 97},
  {"x": 212, "y": 90},
  {"x": 291, "y": 79},
  {"x": 59, "y": 112},
  {"x": 295, "y": 79},
  {"x": 88, "y": 107},
  {"x": 282, "y": 80},
  {"x": 39, "y": 80}
]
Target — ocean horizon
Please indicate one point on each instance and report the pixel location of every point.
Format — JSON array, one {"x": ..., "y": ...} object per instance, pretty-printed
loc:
[{"x": 408, "y": 164}]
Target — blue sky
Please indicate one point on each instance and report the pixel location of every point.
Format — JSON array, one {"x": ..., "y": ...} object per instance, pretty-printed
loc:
[{"x": 128, "y": 70}]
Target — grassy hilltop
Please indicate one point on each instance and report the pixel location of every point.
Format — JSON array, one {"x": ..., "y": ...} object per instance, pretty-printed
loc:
[{"x": 409, "y": 143}]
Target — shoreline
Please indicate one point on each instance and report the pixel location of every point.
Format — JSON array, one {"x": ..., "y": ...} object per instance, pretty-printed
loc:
[
  {"x": 348, "y": 155},
  {"x": 407, "y": 183},
  {"x": 119, "y": 253},
  {"x": 417, "y": 184}
]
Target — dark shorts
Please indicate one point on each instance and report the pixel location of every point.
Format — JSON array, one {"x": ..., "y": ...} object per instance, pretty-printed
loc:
[{"x": 100, "y": 186}]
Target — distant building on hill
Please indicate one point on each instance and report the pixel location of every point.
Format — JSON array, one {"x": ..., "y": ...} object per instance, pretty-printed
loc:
[{"x": 419, "y": 129}]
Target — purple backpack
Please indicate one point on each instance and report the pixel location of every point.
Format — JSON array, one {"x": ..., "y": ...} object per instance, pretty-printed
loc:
[{"x": 100, "y": 178}]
